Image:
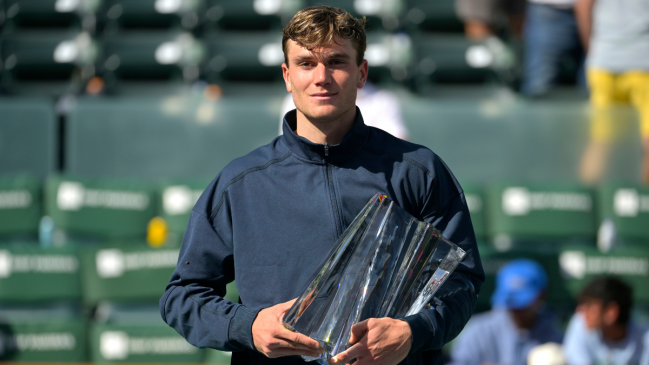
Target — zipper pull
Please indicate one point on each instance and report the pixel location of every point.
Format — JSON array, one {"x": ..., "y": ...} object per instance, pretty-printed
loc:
[{"x": 326, "y": 150}]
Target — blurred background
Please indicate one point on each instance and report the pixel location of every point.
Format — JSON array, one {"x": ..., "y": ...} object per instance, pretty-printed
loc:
[{"x": 116, "y": 114}]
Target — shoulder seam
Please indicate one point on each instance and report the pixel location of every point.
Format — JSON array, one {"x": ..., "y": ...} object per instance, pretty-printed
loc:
[
  {"x": 405, "y": 158},
  {"x": 241, "y": 176}
]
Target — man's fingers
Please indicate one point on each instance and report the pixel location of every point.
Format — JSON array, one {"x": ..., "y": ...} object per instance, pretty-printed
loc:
[
  {"x": 345, "y": 357},
  {"x": 287, "y": 351},
  {"x": 358, "y": 330},
  {"x": 279, "y": 343},
  {"x": 300, "y": 339}
]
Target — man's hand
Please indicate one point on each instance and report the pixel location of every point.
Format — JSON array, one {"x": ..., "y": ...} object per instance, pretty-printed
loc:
[
  {"x": 383, "y": 341},
  {"x": 273, "y": 340}
]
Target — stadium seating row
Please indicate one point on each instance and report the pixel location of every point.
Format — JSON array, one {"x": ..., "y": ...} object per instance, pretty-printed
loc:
[
  {"x": 228, "y": 14},
  {"x": 74, "y": 58},
  {"x": 122, "y": 209}
]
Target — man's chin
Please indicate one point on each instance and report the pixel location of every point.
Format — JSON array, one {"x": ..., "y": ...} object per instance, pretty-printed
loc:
[{"x": 324, "y": 114}]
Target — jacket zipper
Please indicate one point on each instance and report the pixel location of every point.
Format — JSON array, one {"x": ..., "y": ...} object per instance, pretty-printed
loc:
[{"x": 332, "y": 191}]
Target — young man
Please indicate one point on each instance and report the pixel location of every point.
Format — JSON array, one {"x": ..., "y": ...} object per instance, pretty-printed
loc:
[
  {"x": 616, "y": 35},
  {"x": 517, "y": 323},
  {"x": 602, "y": 331},
  {"x": 271, "y": 217}
]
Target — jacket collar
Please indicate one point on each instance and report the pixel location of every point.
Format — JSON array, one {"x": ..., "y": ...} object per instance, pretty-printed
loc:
[{"x": 315, "y": 152}]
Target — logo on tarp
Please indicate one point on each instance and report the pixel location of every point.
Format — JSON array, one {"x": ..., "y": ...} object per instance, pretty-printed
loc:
[
  {"x": 113, "y": 263},
  {"x": 73, "y": 196},
  {"x": 15, "y": 199},
  {"x": 576, "y": 265},
  {"x": 179, "y": 199},
  {"x": 118, "y": 345},
  {"x": 473, "y": 202},
  {"x": 573, "y": 264},
  {"x": 628, "y": 203},
  {"x": 37, "y": 263},
  {"x": 113, "y": 345},
  {"x": 519, "y": 201},
  {"x": 36, "y": 342}
]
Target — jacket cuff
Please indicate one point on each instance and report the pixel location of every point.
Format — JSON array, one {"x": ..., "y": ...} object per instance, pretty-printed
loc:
[
  {"x": 422, "y": 331},
  {"x": 240, "y": 330}
]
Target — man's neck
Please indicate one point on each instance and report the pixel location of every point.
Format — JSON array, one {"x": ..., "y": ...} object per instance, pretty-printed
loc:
[
  {"x": 615, "y": 332},
  {"x": 329, "y": 132}
]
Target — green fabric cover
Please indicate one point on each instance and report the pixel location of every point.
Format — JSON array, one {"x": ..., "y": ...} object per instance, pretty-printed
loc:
[
  {"x": 100, "y": 208},
  {"x": 29, "y": 273},
  {"x": 541, "y": 210},
  {"x": 175, "y": 203},
  {"x": 476, "y": 201},
  {"x": 55, "y": 340},
  {"x": 628, "y": 206},
  {"x": 142, "y": 342},
  {"x": 20, "y": 205},
  {"x": 117, "y": 272},
  {"x": 28, "y": 133},
  {"x": 580, "y": 265}
]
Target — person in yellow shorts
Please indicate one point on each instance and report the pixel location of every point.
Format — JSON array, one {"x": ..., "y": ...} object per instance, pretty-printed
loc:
[{"x": 616, "y": 35}]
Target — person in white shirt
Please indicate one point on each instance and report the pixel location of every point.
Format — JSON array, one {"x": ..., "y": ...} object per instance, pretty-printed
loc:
[
  {"x": 380, "y": 109},
  {"x": 602, "y": 331}
]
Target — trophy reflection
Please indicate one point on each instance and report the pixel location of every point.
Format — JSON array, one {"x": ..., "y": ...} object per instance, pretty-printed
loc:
[{"x": 386, "y": 264}]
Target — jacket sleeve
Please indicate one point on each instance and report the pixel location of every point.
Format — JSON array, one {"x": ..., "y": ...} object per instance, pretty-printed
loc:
[
  {"x": 193, "y": 301},
  {"x": 454, "y": 303}
]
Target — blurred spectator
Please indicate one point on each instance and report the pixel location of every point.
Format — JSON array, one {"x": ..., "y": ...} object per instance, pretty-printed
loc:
[
  {"x": 517, "y": 323},
  {"x": 602, "y": 331},
  {"x": 482, "y": 17},
  {"x": 616, "y": 35},
  {"x": 550, "y": 36},
  {"x": 380, "y": 109}
]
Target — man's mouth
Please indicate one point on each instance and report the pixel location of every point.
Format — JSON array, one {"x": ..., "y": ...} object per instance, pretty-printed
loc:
[{"x": 323, "y": 96}]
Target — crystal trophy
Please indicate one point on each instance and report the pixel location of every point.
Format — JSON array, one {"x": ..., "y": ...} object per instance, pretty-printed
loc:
[{"x": 386, "y": 264}]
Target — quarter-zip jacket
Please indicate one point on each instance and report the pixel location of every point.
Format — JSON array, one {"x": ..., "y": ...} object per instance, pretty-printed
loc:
[{"x": 270, "y": 218}]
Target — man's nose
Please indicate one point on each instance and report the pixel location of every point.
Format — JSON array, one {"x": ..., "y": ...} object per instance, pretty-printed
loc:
[{"x": 322, "y": 74}]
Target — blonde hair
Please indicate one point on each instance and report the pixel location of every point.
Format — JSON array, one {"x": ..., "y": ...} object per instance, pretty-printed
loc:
[{"x": 318, "y": 26}]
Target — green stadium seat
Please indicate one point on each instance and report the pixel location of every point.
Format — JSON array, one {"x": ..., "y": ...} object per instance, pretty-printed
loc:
[
  {"x": 32, "y": 334},
  {"x": 141, "y": 343},
  {"x": 28, "y": 131},
  {"x": 455, "y": 59},
  {"x": 137, "y": 14},
  {"x": 175, "y": 203},
  {"x": 150, "y": 56},
  {"x": 194, "y": 137},
  {"x": 62, "y": 57},
  {"x": 541, "y": 211},
  {"x": 250, "y": 14},
  {"x": 217, "y": 357},
  {"x": 380, "y": 14},
  {"x": 30, "y": 274},
  {"x": 100, "y": 209},
  {"x": 475, "y": 200},
  {"x": 580, "y": 265},
  {"x": 20, "y": 206},
  {"x": 244, "y": 56},
  {"x": 126, "y": 273},
  {"x": 627, "y": 205},
  {"x": 47, "y": 13},
  {"x": 438, "y": 15}
]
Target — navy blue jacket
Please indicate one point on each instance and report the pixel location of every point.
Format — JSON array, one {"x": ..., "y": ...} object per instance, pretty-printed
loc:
[{"x": 270, "y": 217}]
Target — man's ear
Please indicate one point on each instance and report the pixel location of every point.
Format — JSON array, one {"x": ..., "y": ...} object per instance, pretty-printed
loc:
[
  {"x": 362, "y": 74},
  {"x": 287, "y": 78},
  {"x": 611, "y": 313}
]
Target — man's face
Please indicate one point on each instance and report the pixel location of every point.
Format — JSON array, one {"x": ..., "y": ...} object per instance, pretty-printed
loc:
[
  {"x": 324, "y": 81},
  {"x": 593, "y": 312}
]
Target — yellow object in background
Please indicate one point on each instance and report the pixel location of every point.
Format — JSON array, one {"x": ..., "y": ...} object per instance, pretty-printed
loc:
[
  {"x": 607, "y": 90},
  {"x": 157, "y": 231}
]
